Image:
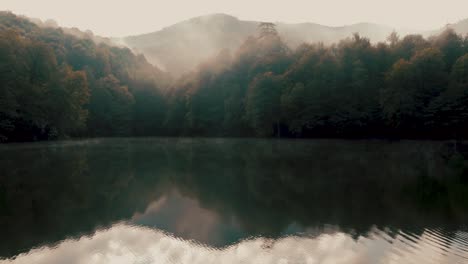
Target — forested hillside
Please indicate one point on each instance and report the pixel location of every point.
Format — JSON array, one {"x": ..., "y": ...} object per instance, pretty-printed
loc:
[
  {"x": 408, "y": 87},
  {"x": 54, "y": 85},
  {"x": 180, "y": 47},
  {"x": 172, "y": 47}
]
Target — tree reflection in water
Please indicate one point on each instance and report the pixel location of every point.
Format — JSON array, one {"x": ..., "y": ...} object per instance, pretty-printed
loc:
[{"x": 219, "y": 192}]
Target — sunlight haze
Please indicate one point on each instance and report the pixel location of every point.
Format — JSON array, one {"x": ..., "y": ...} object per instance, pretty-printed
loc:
[{"x": 121, "y": 18}]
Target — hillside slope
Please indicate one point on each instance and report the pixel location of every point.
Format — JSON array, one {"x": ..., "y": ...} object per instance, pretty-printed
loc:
[{"x": 180, "y": 47}]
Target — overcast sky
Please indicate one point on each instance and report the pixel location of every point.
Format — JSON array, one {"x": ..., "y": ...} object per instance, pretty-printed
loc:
[{"x": 119, "y": 18}]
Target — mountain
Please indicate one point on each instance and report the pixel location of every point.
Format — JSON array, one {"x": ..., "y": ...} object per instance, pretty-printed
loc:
[
  {"x": 460, "y": 27},
  {"x": 182, "y": 46}
]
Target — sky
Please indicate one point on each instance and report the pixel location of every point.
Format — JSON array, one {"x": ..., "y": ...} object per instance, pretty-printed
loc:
[{"x": 116, "y": 18}]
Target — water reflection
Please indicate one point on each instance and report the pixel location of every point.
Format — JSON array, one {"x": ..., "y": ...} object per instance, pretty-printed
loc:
[
  {"x": 186, "y": 219},
  {"x": 134, "y": 244},
  {"x": 318, "y": 201}
]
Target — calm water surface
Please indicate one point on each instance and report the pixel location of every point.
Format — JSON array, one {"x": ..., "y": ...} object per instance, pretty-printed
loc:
[{"x": 156, "y": 200}]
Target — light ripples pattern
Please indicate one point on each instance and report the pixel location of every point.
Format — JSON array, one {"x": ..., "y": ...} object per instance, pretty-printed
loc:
[{"x": 125, "y": 243}]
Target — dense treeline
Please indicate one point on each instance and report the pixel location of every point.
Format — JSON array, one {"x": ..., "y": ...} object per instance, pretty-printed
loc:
[
  {"x": 54, "y": 84},
  {"x": 408, "y": 87}
]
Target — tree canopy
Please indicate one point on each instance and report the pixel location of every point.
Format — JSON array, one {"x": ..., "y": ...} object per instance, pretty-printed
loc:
[{"x": 53, "y": 84}]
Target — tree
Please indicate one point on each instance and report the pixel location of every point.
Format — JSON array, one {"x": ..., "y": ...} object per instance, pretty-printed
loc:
[
  {"x": 292, "y": 105},
  {"x": 48, "y": 75},
  {"x": 69, "y": 100},
  {"x": 449, "y": 112},
  {"x": 451, "y": 46},
  {"x": 263, "y": 104},
  {"x": 110, "y": 108},
  {"x": 393, "y": 38},
  {"x": 149, "y": 110},
  {"x": 408, "y": 46},
  {"x": 398, "y": 98},
  {"x": 411, "y": 86},
  {"x": 267, "y": 29}
]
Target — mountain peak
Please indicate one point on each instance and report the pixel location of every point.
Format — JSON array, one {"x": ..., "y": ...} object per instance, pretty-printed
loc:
[
  {"x": 180, "y": 47},
  {"x": 218, "y": 16},
  {"x": 211, "y": 19}
]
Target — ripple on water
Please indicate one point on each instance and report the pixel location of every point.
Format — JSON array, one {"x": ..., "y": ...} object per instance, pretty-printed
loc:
[{"x": 134, "y": 244}]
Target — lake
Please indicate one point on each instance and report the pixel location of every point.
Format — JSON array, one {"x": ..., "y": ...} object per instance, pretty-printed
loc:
[{"x": 169, "y": 200}]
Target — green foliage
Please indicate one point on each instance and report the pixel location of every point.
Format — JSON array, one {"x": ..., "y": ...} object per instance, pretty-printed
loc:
[
  {"x": 53, "y": 84},
  {"x": 411, "y": 86},
  {"x": 110, "y": 108},
  {"x": 451, "y": 46},
  {"x": 40, "y": 99},
  {"x": 351, "y": 89},
  {"x": 263, "y": 104},
  {"x": 449, "y": 111}
]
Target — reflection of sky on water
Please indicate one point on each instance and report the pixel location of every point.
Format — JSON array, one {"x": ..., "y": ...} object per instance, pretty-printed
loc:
[
  {"x": 196, "y": 233},
  {"x": 133, "y": 244},
  {"x": 185, "y": 218},
  {"x": 233, "y": 201}
]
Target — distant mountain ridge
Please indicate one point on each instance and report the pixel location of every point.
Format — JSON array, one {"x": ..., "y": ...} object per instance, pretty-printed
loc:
[
  {"x": 180, "y": 47},
  {"x": 460, "y": 27}
]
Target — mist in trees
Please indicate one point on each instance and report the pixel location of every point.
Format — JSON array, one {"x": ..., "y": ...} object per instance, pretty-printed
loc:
[
  {"x": 404, "y": 88},
  {"x": 55, "y": 85}
]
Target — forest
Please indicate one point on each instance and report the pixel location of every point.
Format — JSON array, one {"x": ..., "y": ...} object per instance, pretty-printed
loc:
[{"x": 57, "y": 85}]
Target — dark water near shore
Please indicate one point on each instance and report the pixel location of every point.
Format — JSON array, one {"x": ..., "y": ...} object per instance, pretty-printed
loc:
[{"x": 159, "y": 200}]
